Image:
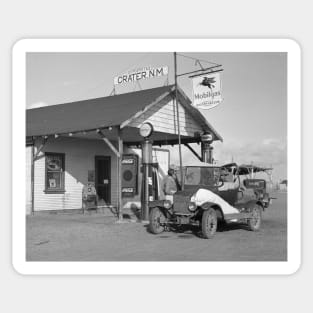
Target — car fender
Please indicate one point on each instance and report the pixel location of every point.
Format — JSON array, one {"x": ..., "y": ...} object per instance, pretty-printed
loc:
[
  {"x": 166, "y": 212},
  {"x": 156, "y": 203},
  {"x": 216, "y": 207},
  {"x": 250, "y": 204}
]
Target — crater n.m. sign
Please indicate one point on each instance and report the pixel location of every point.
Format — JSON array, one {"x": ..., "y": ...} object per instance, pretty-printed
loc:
[
  {"x": 140, "y": 74},
  {"x": 207, "y": 91}
]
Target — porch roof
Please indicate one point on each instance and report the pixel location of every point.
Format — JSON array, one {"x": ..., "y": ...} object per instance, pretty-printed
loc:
[{"x": 104, "y": 112}]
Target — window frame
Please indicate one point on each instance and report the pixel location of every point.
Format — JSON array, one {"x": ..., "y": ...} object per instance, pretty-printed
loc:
[
  {"x": 216, "y": 179},
  {"x": 62, "y": 187}
]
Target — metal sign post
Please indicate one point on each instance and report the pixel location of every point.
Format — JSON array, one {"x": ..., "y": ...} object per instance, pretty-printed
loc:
[
  {"x": 207, "y": 150},
  {"x": 178, "y": 126}
]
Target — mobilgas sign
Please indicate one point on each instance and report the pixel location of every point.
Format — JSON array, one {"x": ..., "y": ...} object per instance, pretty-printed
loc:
[
  {"x": 207, "y": 91},
  {"x": 140, "y": 74}
]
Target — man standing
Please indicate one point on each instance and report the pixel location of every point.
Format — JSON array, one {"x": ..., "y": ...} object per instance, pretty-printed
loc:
[{"x": 170, "y": 185}]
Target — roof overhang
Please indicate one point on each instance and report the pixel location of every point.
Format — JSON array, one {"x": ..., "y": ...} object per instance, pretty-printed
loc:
[{"x": 130, "y": 135}]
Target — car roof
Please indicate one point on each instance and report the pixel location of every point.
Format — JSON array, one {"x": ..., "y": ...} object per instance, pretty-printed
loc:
[
  {"x": 245, "y": 169},
  {"x": 200, "y": 164}
]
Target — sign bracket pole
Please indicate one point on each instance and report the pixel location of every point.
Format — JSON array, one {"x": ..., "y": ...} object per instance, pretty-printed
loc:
[
  {"x": 178, "y": 126},
  {"x": 201, "y": 71}
]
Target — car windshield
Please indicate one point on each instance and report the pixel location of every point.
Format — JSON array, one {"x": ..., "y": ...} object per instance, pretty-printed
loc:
[{"x": 202, "y": 175}]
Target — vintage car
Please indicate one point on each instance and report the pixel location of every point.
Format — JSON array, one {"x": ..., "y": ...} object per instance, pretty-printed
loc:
[{"x": 211, "y": 194}]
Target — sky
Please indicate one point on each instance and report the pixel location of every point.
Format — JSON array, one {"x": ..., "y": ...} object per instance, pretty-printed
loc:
[{"x": 252, "y": 119}]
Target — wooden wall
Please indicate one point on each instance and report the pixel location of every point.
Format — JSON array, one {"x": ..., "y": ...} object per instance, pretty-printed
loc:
[
  {"x": 28, "y": 180},
  {"x": 164, "y": 119},
  {"x": 79, "y": 158}
]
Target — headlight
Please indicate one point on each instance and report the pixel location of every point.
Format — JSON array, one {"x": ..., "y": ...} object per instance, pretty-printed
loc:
[
  {"x": 192, "y": 206},
  {"x": 167, "y": 204}
]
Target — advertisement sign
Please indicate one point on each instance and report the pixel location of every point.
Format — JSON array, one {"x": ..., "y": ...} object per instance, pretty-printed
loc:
[
  {"x": 140, "y": 74},
  {"x": 129, "y": 175},
  {"x": 207, "y": 91}
]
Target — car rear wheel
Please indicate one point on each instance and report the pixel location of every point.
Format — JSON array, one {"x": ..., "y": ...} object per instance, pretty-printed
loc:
[
  {"x": 156, "y": 221},
  {"x": 254, "y": 223},
  {"x": 209, "y": 223}
]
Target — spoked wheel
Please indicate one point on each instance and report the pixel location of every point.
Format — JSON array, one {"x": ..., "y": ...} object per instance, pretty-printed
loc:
[
  {"x": 209, "y": 223},
  {"x": 254, "y": 223},
  {"x": 156, "y": 221}
]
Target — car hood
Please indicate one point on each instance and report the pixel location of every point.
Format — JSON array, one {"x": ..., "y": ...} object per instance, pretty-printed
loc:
[
  {"x": 186, "y": 193},
  {"x": 181, "y": 200},
  {"x": 189, "y": 190}
]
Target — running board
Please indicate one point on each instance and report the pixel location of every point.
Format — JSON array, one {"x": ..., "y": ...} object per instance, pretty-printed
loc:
[{"x": 236, "y": 216}]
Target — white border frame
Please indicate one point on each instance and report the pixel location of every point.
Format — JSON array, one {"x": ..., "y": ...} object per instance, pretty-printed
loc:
[{"x": 158, "y": 45}]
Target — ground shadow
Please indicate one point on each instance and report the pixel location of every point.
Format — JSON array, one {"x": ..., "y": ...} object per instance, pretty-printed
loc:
[
  {"x": 191, "y": 231},
  {"x": 135, "y": 211}
]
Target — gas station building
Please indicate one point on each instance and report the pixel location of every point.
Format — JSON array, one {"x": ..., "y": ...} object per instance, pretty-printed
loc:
[{"x": 97, "y": 142}]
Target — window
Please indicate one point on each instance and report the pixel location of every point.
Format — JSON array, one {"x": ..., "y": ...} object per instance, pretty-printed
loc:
[
  {"x": 193, "y": 176},
  {"x": 55, "y": 172},
  {"x": 208, "y": 176}
]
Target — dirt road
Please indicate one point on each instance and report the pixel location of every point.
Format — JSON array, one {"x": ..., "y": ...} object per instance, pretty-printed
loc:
[{"x": 76, "y": 237}]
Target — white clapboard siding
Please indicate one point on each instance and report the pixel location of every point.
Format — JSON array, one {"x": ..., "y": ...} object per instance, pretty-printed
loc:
[
  {"x": 163, "y": 116},
  {"x": 79, "y": 158},
  {"x": 28, "y": 180}
]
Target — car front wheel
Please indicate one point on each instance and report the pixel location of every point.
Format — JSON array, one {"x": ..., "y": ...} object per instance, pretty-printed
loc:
[
  {"x": 254, "y": 223},
  {"x": 209, "y": 223},
  {"x": 156, "y": 221}
]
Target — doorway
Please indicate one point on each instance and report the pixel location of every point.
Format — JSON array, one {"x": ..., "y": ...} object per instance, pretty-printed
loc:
[{"x": 103, "y": 179}]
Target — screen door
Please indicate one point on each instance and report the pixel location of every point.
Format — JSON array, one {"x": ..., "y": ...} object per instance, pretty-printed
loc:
[{"x": 103, "y": 178}]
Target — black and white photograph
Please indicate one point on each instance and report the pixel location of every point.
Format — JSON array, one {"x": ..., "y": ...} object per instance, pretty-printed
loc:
[{"x": 156, "y": 156}]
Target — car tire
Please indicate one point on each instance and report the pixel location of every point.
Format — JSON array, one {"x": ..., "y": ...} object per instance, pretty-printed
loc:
[
  {"x": 209, "y": 223},
  {"x": 254, "y": 223},
  {"x": 155, "y": 218}
]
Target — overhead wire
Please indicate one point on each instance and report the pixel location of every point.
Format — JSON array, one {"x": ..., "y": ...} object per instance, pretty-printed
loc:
[
  {"x": 197, "y": 59},
  {"x": 141, "y": 58}
]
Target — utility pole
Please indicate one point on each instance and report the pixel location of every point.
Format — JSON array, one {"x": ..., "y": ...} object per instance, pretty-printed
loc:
[
  {"x": 208, "y": 70},
  {"x": 178, "y": 125}
]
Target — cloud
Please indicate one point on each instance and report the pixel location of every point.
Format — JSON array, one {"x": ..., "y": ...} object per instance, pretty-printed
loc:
[
  {"x": 37, "y": 105},
  {"x": 270, "y": 151},
  {"x": 274, "y": 142},
  {"x": 69, "y": 83}
]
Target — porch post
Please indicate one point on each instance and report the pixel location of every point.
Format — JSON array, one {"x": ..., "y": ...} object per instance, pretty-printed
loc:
[
  {"x": 33, "y": 177},
  {"x": 34, "y": 156},
  {"x": 146, "y": 163},
  {"x": 119, "y": 174}
]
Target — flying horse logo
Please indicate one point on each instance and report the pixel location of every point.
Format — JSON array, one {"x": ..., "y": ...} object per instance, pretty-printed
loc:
[{"x": 208, "y": 81}]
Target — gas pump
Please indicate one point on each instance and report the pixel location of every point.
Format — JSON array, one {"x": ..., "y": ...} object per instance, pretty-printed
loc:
[
  {"x": 206, "y": 148},
  {"x": 129, "y": 175},
  {"x": 146, "y": 131}
]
